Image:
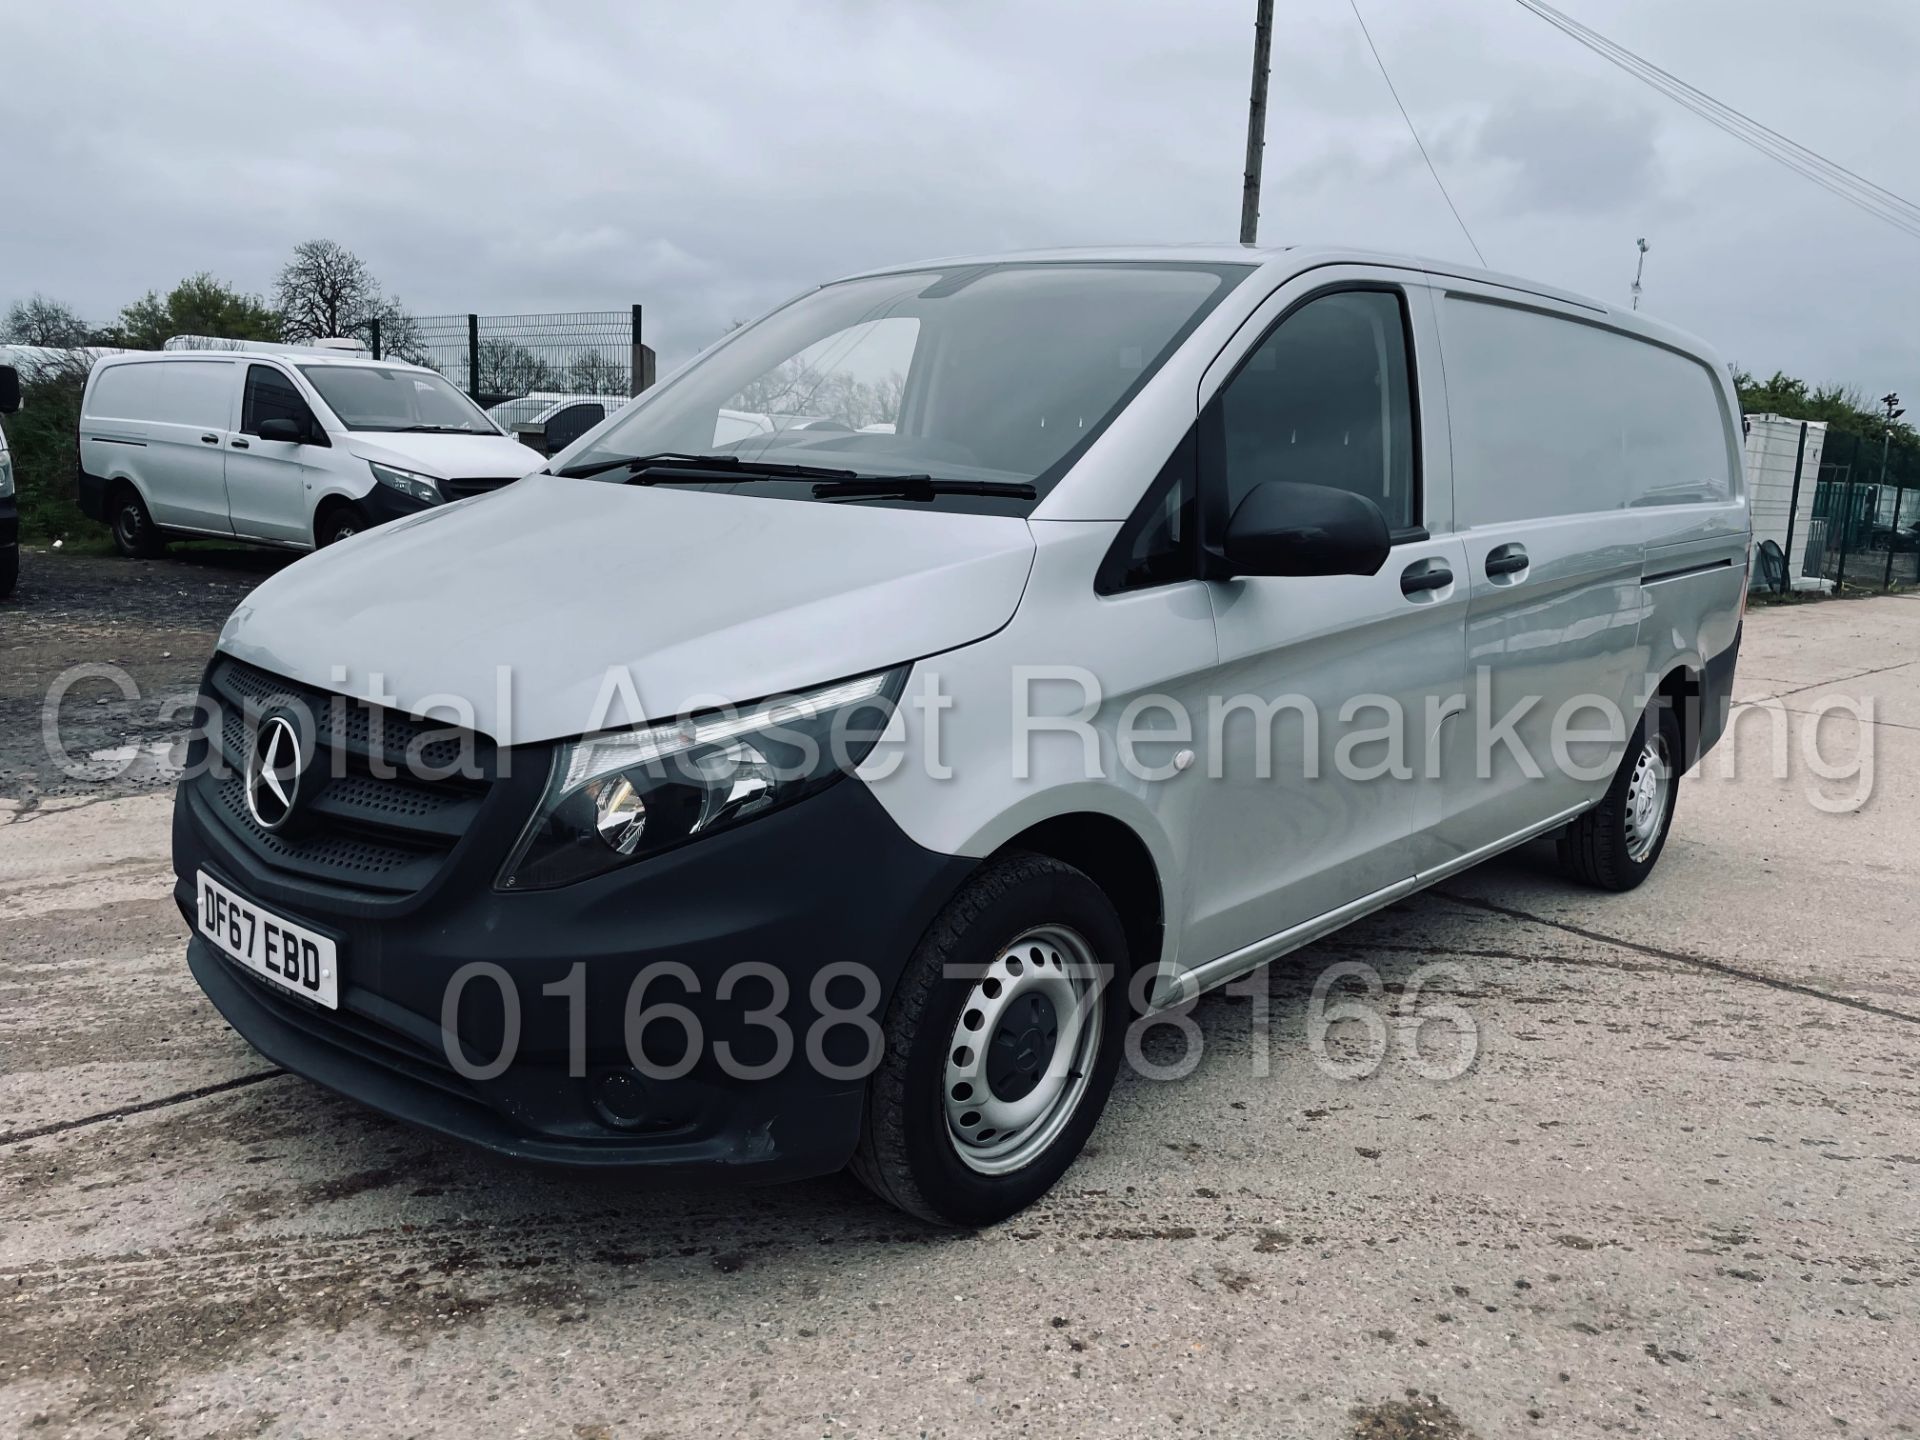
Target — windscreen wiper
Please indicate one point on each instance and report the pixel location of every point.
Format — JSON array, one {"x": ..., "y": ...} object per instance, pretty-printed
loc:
[
  {"x": 659, "y": 469},
  {"x": 920, "y": 487}
]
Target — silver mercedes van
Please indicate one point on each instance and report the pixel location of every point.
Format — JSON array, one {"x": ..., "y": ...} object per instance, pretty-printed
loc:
[{"x": 756, "y": 805}]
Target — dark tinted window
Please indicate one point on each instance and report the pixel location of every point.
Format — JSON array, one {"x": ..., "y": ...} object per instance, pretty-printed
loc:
[
  {"x": 272, "y": 396},
  {"x": 1158, "y": 545},
  {"x": 568, "y": 425},
  {"x": 1326, "y": 399}
]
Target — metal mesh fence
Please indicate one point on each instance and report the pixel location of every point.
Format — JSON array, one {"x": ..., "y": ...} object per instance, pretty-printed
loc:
[
  {"x": 548, "y": 377},
  {"x": 1866, "y": 512}
]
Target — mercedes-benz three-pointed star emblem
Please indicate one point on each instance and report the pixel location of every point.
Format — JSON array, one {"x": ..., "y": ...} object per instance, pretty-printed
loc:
[{"x": 273, "y": 773}]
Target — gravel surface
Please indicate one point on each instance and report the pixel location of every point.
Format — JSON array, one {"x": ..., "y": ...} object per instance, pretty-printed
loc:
[
  {"x": 153, "y": 621},
  {"x": 1673, "y": 1194}
]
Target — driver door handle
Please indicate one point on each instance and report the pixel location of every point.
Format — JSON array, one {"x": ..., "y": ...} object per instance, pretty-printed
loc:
[
  {"x": 240, "y": 445},
  {"x": 1414, "y": 579}
]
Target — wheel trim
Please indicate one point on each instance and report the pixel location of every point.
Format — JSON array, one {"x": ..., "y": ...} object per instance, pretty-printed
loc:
[
  {"x": 995, "y": 1136},
  {"x": 1649, "y": 793}
]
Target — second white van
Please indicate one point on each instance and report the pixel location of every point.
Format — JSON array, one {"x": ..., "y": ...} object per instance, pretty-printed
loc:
[{"x": 283, "y": 448}]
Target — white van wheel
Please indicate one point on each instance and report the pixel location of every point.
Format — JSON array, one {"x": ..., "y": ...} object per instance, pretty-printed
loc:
[
  {"x": 338, "y": 522},
  {"x": 1615, "y": 844},
  {"x": 1001, "y": 1041},
  {"x": 134, "y": 533}
]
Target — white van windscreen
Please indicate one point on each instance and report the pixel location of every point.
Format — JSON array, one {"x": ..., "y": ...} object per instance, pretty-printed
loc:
[
  {"x": 998, "y": 374},
  {"x": 165, "y": 392},
  {"x": 1555, "y": 417}
]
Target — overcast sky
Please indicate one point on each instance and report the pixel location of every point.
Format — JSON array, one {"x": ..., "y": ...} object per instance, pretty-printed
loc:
[{"x": 709, "y": 160}]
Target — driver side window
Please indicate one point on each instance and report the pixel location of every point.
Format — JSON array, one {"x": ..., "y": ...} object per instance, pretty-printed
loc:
[
  {"x": 271, "y": 396},
  {"x": 1326, "y": 398}
]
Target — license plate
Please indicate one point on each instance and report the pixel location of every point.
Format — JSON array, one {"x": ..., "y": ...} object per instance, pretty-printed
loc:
[{"x": 289, "y": 955}]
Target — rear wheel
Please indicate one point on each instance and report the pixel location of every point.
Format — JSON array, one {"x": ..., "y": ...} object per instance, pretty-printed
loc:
[
  {"x": 1616, "y": 844},
  {"x": 339, "y": 521},
  {"x": 134, "y": 533},
  {"x": 9, "y": 570},
  {"x": 1002, "y": 1042}
]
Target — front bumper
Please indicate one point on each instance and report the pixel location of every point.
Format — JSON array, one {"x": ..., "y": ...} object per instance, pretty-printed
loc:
[{"x": 830, "y": 879}]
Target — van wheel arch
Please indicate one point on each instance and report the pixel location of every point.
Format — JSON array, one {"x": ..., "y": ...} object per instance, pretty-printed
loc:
[
  {"x": 331, "y": 514},
  {"x": 1680, "y": 692},
  {"x": 137, "y": 541},
  {"x": 1110, "y": 853}
]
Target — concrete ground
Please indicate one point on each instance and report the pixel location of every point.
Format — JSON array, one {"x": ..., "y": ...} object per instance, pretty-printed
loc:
[{"x": 1674, "y": 1194}]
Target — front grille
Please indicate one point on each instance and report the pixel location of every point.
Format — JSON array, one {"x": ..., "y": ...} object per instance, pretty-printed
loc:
[
  {"x": 381, "y": 805},
  {"x": 461, "y": 489}
]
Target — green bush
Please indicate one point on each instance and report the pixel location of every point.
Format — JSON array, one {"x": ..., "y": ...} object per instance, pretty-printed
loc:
[{"x": 44, "y": 437}]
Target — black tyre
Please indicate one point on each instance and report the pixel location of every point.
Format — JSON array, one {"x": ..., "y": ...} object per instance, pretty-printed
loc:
[
  {"x": 337, "y": 523},
  {"x": 134, "y": 533},
  {"x": 9, "y": 570},
  {"x": 1001, "y": 1045},
  {"x": 1616, "y": 844}
]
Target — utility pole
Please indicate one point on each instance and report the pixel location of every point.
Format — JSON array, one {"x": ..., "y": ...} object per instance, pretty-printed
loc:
[
  {"x": 1256, "y": 122},
  {"x": 1890, "y": 402},
  {"x": 1638, "y": 270}
]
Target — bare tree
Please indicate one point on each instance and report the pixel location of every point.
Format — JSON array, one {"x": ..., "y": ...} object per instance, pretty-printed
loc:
[
  {"x": 510, "y": 369},
  {"x": 42, "y": 321},
  {"x": 327, "y": 290},
  {"x": 598, "y": 373}
]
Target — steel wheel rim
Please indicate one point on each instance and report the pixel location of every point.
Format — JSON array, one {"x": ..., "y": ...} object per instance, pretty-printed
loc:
[
  {"x": 129, "y": 525},
  {"x": 994, "y": 1135},
  {"x": 345, "y": 532},
  {"x": 1649, "y": 789}
]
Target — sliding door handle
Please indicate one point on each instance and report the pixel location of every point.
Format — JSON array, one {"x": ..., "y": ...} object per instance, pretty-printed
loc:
[
  {"x": 1507, "y": 560},
  {"x": 209, "y": 439}
]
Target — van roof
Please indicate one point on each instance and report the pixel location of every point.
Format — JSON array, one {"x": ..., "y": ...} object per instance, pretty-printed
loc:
[
  {"x": 295, "y": 356},
  {"x": 1284, "y": 261}
]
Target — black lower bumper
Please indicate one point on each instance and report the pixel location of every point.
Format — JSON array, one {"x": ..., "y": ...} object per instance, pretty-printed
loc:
[
  {"x": 739, "y": 918},
  {"x": 90, "y": 491},
  {"x": 1716, "y": 702}
]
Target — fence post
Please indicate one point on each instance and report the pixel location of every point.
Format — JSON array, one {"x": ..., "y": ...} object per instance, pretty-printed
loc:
[
  {"x": 473, "y": 358},
  {"x": 639, "y": 361},
  {"x": 1846, "y": 534},
  {"x": 1893, "y": 534},
  {"x": 375, "y": 327},
  {"x": 1793, "y": 509}
]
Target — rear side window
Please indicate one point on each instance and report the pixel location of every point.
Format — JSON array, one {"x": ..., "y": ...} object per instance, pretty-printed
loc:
[
  {"x": 1326, "y": 399},
  {"x": 1555, "y": 417},
  {"x": 165, "y": 392},
  {"x": 568, "y": 425},
  {"x": 272, "y": 396}
]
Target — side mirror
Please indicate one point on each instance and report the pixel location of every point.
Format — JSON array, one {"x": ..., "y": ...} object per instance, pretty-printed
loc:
[
  {"x": 1287, "y": 529},
  {"x": 289, "y": 431},
  {"x": 9, "y": 389}
]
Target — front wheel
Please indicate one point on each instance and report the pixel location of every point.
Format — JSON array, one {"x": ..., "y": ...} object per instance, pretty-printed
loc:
[
  {"x": 1615, "y": 844},
  {"x": 340, "y": 522},
  {"x": 1001, "y": 1045}
]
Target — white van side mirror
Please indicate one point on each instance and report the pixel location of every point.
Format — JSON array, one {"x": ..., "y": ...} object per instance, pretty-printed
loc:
[{"x": 9, "y": 389}]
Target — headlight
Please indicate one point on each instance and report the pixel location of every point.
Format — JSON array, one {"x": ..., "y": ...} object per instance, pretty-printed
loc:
[
  {"x": 616, "y": 798},
  {"x": 420, "y": 487},
  {"x": 6, "y": 476}
]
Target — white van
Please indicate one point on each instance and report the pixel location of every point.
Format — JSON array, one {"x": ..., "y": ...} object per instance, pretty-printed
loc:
[
  {"x": 9, "y": 501},
  {"x": 831, "y": 796},
  {"x": 550, "y": 420},
  {"x": 277, "y": 447}
]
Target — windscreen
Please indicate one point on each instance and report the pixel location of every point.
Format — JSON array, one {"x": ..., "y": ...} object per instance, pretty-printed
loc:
[
  {"x": 366, "y": 397},
  {"x": 993, "y": 373}
]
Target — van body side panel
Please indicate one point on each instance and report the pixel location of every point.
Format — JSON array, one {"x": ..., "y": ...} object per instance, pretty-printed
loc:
[
  {"x": 1574, "y": 445},
  {"x": 164, "y": 425},
  {"x": 1083, "y": 666}
]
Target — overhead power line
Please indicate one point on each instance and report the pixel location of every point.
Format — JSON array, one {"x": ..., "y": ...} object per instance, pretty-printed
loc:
[
  {"x": 1414, "y": 132},
  {"x": 1829, "y": 175}
]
